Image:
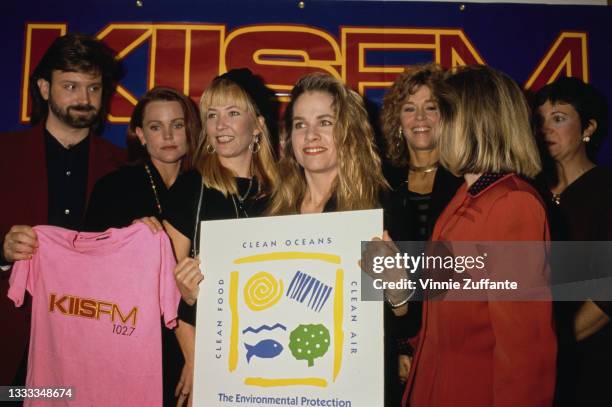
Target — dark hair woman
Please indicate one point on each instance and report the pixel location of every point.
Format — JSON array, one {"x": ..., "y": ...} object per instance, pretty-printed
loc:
[
  {"x": 162, "y": 137},
  {"x": 571, "y": 122}
]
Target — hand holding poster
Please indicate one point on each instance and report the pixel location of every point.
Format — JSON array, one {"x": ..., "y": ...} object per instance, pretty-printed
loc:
[{"x": 280, "y": 319}]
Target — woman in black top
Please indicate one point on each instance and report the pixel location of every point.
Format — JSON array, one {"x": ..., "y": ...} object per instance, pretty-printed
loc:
[
  {"x": 410, "y": 119},
  {"x": 237, "y": 167},
  {"x": 571, "y": 121},
  {"x": 162, "y": 137}
]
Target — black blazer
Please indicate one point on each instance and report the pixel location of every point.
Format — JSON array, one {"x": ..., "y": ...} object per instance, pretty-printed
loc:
[{"x": 400, "y": 214}]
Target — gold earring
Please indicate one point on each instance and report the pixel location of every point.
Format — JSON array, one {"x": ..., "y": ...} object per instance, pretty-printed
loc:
[
  {"x": 209, "y": 148},
  {"x": 255, "y": 146},
  {"x": 400, "y": 138}
]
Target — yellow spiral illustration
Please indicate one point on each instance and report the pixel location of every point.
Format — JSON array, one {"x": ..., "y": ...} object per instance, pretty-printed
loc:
[{"x": 262, "y": 291}]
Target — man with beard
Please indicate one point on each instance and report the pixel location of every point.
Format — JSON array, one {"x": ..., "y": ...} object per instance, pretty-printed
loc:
[{"x": 48, "y": 171}]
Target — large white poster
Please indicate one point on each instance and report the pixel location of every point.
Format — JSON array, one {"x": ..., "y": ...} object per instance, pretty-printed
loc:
[{"x": 280, "y": 319}]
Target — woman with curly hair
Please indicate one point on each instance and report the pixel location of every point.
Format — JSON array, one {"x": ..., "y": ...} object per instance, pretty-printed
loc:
[
  {"x": 410, "y": 118},
  {"x": 330, "y": 161}
]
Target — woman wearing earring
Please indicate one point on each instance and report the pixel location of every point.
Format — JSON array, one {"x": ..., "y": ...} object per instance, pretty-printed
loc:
[
  {"x": 410, "y": 119},
  {"x": 571, "y": 119},
  {"x": 236, "y": 175},
  {"x": 330, "y": 161}
]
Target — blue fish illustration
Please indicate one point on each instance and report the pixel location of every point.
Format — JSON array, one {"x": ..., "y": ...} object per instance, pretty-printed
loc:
[{"x": 268, "y": 348}]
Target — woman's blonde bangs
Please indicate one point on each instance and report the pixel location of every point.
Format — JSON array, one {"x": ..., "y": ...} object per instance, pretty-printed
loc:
[
  {"x": 489, "y": 129},
  {"x": 223, "y": 93}
]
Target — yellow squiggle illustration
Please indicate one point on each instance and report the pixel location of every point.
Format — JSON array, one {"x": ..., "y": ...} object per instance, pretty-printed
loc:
[
  {"x": 306, "y": 381},
  {"x": 330, "y": 258},
  {"x": 233, "y": 304},
  {"x": 262, "y": 291},
  {"x": 338, "y": 315}
]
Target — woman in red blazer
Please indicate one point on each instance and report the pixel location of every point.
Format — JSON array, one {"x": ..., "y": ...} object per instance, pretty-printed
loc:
[{"x": 486, "y": 353}]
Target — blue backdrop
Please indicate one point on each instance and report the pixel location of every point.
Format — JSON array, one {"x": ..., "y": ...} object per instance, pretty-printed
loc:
[{"x": 519, "y": 39}]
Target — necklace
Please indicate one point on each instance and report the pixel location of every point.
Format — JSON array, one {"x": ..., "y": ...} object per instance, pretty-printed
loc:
[
  {"x": 154, "y": 188},
  {"x": 241, "y": 198},
  {"x": 239, "y": 205},
  {"x": 556, "y": 197},
  {"x": 424, "y": 169}
]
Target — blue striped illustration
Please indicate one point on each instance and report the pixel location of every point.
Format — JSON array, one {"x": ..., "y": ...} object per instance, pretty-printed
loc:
[{"x": 304, "y": 287}]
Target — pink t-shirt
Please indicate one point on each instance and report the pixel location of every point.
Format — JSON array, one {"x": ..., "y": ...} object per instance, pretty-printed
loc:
[{"x": 96, "y": 305}]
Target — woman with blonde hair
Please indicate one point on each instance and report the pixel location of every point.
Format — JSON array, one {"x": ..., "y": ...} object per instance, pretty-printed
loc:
[
  {"x": 330, "y": 161},
  {"x": 486, "y": 353},
  {"x": 236, "y": 175}
]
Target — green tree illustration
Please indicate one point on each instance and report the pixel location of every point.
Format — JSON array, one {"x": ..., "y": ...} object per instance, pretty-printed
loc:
[{"x": 308, "y": 342}]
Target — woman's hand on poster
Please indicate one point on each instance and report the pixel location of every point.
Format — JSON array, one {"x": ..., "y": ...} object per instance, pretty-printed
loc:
[
  {"x": 188, "y": 277},
  {"x": 373, "y": 264},
  {"x": 152, "y": 222},
  {"x": 403, "y": 367},
  {"x": 378, "y": 248},
  {"x": 184, "y": 388}
]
